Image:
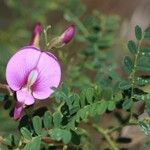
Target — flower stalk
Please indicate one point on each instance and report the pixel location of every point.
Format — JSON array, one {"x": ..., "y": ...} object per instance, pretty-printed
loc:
[
  {"x": 103, "y": 132},
  {"x": 133, "y": 73}
]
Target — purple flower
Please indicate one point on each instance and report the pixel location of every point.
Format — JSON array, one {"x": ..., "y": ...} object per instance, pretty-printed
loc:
[
  {"x": 68, "y": 34},
  {"x": 32, "y": 74}
]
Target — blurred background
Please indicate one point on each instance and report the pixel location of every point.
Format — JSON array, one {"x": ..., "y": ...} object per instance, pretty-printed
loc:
[{"x": 17, "y": 18}]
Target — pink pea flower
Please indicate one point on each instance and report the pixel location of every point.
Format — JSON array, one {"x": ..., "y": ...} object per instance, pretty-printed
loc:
[{"x": 32, "y": 74}]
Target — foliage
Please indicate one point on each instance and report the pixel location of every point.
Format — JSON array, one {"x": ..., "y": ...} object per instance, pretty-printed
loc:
[{"x": 91, "y": 88}]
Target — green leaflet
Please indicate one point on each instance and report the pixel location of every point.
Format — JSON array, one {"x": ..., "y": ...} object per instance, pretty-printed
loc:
[
  {"x": 128, "y": 65},
  {"x": 57, "y": 118},
  {"x": 47, "y": 120},
  {"x": 89, "y": 95},
  {"x": 35, "y": 144},
  {"x": 96, "y": 108},
  {"x": 60, "y": 134},
  {"x": 138, "y": 32},
  {"x": 127, "y": 104},
  {"x": 37, "y": 124},
  {"x": 124, "y": 85},
  {"x": 147, "y": 34},
  {"x": 145, "y": 127},
  {"x": 26, "y": 133},
  {"x": 132, "y": 47}
]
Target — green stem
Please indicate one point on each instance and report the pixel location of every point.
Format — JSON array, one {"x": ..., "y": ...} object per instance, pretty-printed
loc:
[
  {"x": 115, "y": 129},
  {"x": 121, "y": 127},
  {"x": 45, "y": 35},
  {"x": 132, "y": 75},
  {"x": 83, "y": 132},
  {"x": 111, "y": 143},
  {"x": 59, "y": 107}
]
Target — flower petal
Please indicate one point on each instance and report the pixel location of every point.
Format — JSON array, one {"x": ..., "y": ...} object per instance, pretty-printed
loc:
[
  {"x": 42, "y": 93},
  {"x": 20, "y": 65},
  {"x": 25, "y": 97},
  {"x": 49, "y": 76}
]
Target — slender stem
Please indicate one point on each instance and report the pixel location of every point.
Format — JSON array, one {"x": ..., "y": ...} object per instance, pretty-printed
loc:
[
  {"x": 121, "y": 127},
  {"x": 132, "y": 75},
  {"x": 83, "y": 132},
  {"x": 115, "y": 129},
  {"x": 134, "y": 69},
  {"x": 59, "y": 107},
  {"x": 45, "y": 35},
  {"x": 102, "y": 131}
]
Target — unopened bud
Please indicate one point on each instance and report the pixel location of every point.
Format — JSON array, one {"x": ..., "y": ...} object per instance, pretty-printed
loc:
[
  {"x": 63, "y": 39},
  {"x": 36, "y": 35},
  {"x": 68, "y": 34},
  {"x": 18, "y": 111}
]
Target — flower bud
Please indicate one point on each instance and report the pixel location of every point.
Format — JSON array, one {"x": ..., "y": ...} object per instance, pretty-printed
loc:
[
  {"x": 18, "y": 111},
  {"x": 68, "y": 34},
  {"x": 36, "y": 35},
  {"x": 63, "y": 39}
]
